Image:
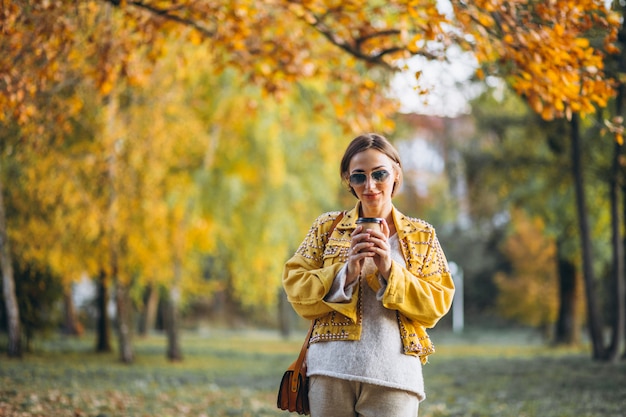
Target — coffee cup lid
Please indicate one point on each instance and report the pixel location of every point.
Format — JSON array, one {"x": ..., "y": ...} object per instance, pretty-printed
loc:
[{"x": 369, "y": 220}]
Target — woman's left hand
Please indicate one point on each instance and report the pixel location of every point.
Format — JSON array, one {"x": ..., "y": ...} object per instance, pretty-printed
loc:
[{"x": 382, "y": 250}]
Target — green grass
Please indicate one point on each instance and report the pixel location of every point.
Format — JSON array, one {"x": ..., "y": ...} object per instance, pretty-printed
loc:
[{"x": 236, "y": 374}]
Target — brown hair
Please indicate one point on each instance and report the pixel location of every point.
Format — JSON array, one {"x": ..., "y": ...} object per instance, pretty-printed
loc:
[{"x": 370, "y": 141}]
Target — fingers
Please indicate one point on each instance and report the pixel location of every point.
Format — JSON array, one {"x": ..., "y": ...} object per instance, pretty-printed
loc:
[
  {"x": 385, "y": 228},
  {"x": 370, "y": 244},
  {"x": 359, "y": 241},
  {"x": 361, "y": 248},
  {"x": 369, "y": 241}
]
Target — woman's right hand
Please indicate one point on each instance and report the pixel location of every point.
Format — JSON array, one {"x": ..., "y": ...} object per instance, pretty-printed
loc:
[{"x": 359, "y": 245}]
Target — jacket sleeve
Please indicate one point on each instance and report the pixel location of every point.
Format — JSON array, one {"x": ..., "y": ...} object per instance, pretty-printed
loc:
[
  {"x": 422, "y": 291},
  {"x": 309, "y": 274}
]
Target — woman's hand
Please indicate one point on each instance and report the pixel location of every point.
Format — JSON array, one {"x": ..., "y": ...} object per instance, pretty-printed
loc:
[
  {"x": 381, "y": 249},
  {"x": 369, "y": 244},
  {"x": 359, "y": 250}
]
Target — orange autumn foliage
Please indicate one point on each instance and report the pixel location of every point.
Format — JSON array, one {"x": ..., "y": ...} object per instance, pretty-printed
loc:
[
  {"x": 529, "y": 294},
  {"x": 551, "y": 52},
  {"x": 48, "y": 47}
]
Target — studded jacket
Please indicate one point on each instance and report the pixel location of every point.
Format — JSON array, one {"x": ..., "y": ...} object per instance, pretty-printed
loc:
[{"x": 421, "y": 293}]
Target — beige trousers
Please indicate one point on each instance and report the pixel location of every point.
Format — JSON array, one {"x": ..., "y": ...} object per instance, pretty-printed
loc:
[{"x": 333, "y": 397}]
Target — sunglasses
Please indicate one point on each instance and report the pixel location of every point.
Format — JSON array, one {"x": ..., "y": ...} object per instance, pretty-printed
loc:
[{"x": 377, "y": 176}]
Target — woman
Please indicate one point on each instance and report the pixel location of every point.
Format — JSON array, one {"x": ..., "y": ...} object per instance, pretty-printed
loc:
[{"x": 371, "y": 293}]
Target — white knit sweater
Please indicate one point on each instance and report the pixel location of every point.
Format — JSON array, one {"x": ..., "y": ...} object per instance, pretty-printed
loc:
[{"x": 376, "y": 358}]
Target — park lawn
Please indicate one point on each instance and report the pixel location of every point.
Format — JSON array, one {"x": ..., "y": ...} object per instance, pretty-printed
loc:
[{"x": 227, "y": 373}]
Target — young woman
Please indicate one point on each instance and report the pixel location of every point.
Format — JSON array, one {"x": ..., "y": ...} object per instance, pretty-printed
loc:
[{"x": 371, "y": 292}]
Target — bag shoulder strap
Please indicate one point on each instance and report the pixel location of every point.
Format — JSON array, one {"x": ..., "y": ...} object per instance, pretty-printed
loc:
[{"x": 336, "y": 222}]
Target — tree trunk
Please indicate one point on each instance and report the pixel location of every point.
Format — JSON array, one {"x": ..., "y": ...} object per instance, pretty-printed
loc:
[
  {"x": 103, "y": 329},
  {"x": 617, "y": 279},
  {"x": 14, "y": 348},
  {"x": 124, "y": 322},
  {"x": 593, "y": 315},
  {"x": 170, "y": 317},
  {"x": 566, "y": 332},
  {"x": 619, "y": 111},
  {"x": 624, "y": 243},
  {"x": 71, "y": 324},
  {"x": 174, "y": 352},
  {"x": 122, "y": 297},
  {"x": 150, "y": 308}
]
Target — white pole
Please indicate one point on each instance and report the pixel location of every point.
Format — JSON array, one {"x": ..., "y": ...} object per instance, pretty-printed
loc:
[{"x": 457, "y": 304}]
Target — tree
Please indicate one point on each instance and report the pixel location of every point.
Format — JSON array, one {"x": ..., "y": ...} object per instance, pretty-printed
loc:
[
  {"x": 49, "y": 48},
  {"x": 8, "y": 286},
  {"x": 549, "y": 55},
  {"x": 515, "y": 161}
]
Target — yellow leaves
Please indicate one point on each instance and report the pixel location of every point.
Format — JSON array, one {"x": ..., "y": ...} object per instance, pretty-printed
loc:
[
  {"x": 559, "y": 106},
  {"x": 133, "y": 189},
  {"x": 273, "y": 42},
  {"x": 611, "y": 48},
  {"x": 485, "y": 20},
  {"x": 559, "y": 30},
  {"x": 582, "y": 43},
  {"x": 546, "y": 46},
  {"x": 200, "y": 233},
  {"x": 415, "y": 43},
  {"x": 106, "y": 87}
]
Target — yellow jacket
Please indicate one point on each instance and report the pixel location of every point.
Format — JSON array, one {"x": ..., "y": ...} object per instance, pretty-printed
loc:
[{"x": 421, "y": 293}]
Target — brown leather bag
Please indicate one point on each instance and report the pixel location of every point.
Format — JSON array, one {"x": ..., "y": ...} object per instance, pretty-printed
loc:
[{"x": 293, "y": 393}]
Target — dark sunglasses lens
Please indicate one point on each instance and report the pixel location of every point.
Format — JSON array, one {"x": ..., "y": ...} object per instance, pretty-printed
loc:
[
  {"x": 357, "y": 179},
  {"x": 380, "y": 176}
]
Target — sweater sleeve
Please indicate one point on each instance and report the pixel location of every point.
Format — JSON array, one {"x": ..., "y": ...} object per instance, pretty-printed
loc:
[{"x": 339, "y": 293}]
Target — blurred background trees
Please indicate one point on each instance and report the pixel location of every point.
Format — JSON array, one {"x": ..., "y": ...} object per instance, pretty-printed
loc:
[{"x": 172, "y": 157}]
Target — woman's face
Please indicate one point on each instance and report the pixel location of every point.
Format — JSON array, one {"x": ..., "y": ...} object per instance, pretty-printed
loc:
[{"x": 372, "y": 176}]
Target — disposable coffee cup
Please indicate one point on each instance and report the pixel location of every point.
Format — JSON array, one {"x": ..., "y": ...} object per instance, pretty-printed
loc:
[{"x": 371, "y": 223}]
